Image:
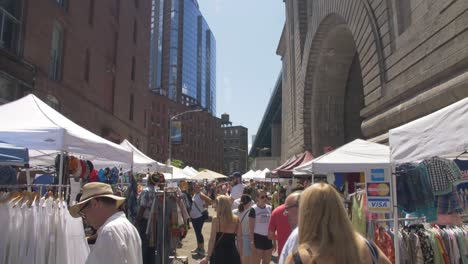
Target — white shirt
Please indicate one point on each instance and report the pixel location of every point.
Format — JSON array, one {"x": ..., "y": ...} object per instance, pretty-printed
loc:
[
  {"x": 236, "y": 192},
  {"x": 262, "y": 218},
  {"x": 198, "y": 206},
  {"x": 235, "y": 204},
  {"x": 118, "y": 241},
  {"x": 290, "y": 246}
]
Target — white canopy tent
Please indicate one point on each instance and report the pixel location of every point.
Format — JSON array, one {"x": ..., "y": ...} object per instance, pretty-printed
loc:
[
  {"x": 207, "y": 175},
  {"x": 261, "y": 176},
  {"x": 31, "y": 123},
  {"x": 141, "y": 162},
  {"x": 190, "y": 171},
  {"x": 248, "y": 175},
  {"x": 176, "y": 175},
  {"x": 442, "y": 133},
  {"x": 356, "y": 156}
]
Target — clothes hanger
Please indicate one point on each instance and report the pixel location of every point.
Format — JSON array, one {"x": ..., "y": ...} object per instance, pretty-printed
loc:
[{"x": 464, "y": 152}]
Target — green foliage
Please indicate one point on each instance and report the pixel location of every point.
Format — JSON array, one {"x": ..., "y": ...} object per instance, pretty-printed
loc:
[{"x": 178, "y": 163}]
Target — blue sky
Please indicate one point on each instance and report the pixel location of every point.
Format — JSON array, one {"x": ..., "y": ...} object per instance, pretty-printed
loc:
[{"x": 247, "y": 33}]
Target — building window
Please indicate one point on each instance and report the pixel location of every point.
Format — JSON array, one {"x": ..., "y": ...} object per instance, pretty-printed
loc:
[
  {"x": 130, "y": 114},
  {"x": 135, "y": 30},
  {"x": 55, "y": 67},
  {"x": 91, "y": 13},
  {"x": 86, "y": 69},
  {"x": 133, "y": 69}
]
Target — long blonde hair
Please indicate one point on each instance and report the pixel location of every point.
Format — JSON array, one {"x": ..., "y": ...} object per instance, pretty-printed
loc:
[
  {"x": 325, "y": 229},
  {"x": 223, "y": 209}
]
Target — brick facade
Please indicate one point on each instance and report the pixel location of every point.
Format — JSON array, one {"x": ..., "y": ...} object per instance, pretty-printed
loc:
[
  {"x": 411, "y": 57},
  {"x": 102, "y": 81}
]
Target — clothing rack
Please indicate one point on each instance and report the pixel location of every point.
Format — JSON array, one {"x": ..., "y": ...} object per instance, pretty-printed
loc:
[
  {"x": 19, "y": 186},
  {"x": 400, "y": 219}
]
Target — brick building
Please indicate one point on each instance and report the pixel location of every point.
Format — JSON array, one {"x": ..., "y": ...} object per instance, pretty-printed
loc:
[
  {"x": 235, "y": 147},
  {"x": 355, "y": 69},
  {"x": 90, "y": 61}
]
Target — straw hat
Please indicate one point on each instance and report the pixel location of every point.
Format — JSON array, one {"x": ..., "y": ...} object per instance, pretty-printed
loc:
[{"x": 94, "y": 190}]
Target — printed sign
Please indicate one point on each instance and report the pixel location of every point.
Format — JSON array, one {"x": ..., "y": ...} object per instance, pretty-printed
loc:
[
  {"x": 379, "y": 197},
  {"x": 379, "y": 205},
  {"x": 377, "y": 174},
  {"x": 176, "y": 132},
  {"x": 378, "y": 189}
]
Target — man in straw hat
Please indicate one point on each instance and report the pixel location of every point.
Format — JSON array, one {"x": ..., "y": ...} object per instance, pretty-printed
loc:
[{"x": 118, "y": 240}]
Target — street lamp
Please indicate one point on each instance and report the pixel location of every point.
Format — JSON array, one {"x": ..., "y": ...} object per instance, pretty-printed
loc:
[{"x": 170, "y": 138}]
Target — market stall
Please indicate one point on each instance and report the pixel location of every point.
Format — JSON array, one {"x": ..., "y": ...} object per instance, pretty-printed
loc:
[
  {"x": 31, "y": 123},
  {"x": 286, "y": 169},
  {"x": 141, "y": 162},
  {"x": 443, "y": 133},
  {"x": 207, "y": 175}
]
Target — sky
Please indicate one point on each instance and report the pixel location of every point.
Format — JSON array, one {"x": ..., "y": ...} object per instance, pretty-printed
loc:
[{"x": 247, "y": 33}]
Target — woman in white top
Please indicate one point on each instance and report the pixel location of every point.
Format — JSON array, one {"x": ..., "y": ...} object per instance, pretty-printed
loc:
[
  {"x": 199, "y": 215},
  {"x": 259, "y": 217},
  {"x": 242, "y": 213}
]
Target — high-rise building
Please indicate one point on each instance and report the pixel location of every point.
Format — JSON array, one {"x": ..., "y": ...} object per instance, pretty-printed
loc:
[
  {"x": 182, "y": 54},
  {"x": 89, "y": 60}
]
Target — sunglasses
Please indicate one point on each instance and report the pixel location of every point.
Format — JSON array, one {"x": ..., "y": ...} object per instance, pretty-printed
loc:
[
  {"x": 262, "y": 197},
  {"x": 287, "y": 208},
  {"x": 81, "y": 213}
]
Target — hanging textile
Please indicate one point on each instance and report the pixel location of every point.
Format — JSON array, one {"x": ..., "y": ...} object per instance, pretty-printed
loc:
[{"x": 39, "y": 230}]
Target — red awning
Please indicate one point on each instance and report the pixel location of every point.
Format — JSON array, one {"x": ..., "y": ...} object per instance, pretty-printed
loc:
[{"x": 286, "y": 169}]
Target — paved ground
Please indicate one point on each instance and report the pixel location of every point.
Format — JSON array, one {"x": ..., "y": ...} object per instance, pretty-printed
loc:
[{"x": 190, "y": 242}]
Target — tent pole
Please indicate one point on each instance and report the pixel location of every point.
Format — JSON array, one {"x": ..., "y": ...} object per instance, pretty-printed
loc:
[
  {"x": 28, "y": 179},
  {"x": 61, "y": 172},
  {"x": 395, "y": 215}
]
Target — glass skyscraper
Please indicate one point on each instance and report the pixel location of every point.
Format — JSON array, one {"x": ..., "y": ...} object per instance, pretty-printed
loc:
[{"x": 183, "y": 54}]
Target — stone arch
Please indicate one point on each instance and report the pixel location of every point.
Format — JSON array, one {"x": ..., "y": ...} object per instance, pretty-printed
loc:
[{"x": 342, "y": 66}]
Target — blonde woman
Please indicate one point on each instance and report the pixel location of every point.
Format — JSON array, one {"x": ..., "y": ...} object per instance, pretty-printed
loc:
[
  {"x": 259, "y": 217},
  {"x": 326, "y": 234},
  {"x": 226, "y": 232}
]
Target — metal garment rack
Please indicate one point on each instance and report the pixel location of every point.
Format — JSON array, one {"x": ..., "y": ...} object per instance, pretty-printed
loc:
[
  {"x": 183, "y": 259},
  {"x": 400, "y": 219}
]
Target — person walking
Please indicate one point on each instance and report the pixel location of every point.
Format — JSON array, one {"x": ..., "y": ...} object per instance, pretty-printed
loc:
[
  {"x": 291, "y": 211},
  {"x": 118, "y": 240},
  {"x": 237, "y": 187},
  {"x": 259, "y": 217},
  {"x": 199, "y": 214},
  {"x": 284, "y": 219},
  {"x": 145, "y": 201},
  {"x": 242, "y": 213},
  {"x": 326, "y": 234},
  {"x": 226, "y": 233}
]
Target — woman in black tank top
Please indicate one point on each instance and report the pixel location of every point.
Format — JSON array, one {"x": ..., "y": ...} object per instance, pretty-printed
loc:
[{"x": 226, "y": 235}]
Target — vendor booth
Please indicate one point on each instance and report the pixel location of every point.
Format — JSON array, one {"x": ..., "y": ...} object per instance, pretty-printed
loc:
[
  {"x": 207, "y": 175},
  {"x": 420, "y": 146},
  {"x": 286, "y": 169},
  {"x": 141, "y": 162},
  {"x": 31, "y": 123}
]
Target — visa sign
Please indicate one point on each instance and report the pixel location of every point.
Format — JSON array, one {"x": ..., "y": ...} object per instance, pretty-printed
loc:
[{"x": 379, "y": 205}]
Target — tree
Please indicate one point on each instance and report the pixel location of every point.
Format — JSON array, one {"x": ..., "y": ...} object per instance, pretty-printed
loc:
[{"x": 177, "y": 163}]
